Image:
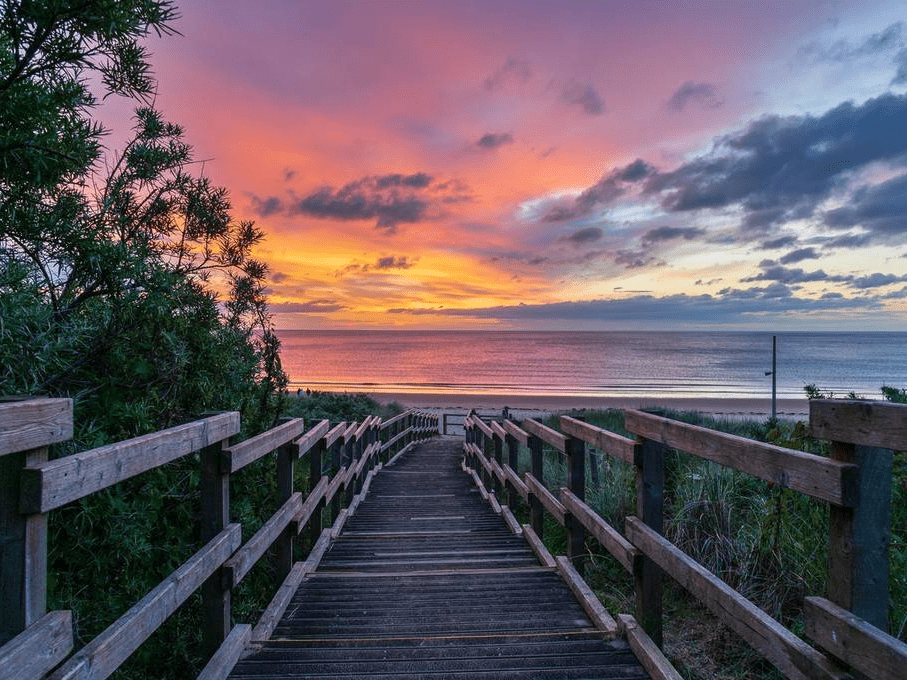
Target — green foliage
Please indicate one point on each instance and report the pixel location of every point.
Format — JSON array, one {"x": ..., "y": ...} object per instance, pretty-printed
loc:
[{"x": 337, "y": 406}]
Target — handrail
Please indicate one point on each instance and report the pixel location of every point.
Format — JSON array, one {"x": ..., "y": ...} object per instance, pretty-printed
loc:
[
  {"x": 42, "y": 641},
  {"x": 844, "y": 481}
]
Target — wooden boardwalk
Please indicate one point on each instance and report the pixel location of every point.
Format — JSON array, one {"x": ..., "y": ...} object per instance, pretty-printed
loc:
[{"x": 425, "y": 581}]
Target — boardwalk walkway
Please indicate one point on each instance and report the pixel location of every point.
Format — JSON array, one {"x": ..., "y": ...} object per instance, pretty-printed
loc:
[{"x": 425, "y": 581}]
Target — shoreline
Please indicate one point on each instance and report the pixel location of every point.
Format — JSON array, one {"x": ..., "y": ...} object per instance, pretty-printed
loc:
[{"x": 730, "y": 407}]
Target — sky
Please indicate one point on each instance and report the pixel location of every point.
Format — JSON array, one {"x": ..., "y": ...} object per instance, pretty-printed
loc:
[{"x": 526, "y": 164}]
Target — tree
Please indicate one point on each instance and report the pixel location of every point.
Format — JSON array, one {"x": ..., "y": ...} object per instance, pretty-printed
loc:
[{"x": 112, "y": 274}]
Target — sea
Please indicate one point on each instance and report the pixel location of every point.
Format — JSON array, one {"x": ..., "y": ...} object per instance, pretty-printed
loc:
[{"x": 704, "y": 365}]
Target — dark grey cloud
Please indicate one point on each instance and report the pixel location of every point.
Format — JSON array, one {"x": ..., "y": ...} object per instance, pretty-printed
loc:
[
  {"x": 493, "y": 140},
  {"x": 584, "y": 96},
  {"x": 513, "y": 71},
  {"x": 876, "y": 281},
  {"x": 731, "y": 306},
  {"x": 288, "y": 174},
  {"x": 799, "y": 255},
  {"x": 701, "y": 95},
  {"x": 786, "y": 275},
  {"x": 780, "y": 168},
  {"x": 848, "y": 241},
  {"x": 636, "y": 259},
  {"x": 279, "y": 277},
  {"x": 390, "y": 200},
  {"x": 310, "y": 307},
  {"x": 777, "y": 243},
  {"x": 900, "y": 63},
  {"x": 608, "y": 188},
  {"x": 586, "y": 235},
  {"x": 658, "y": 234},
  {"x": 384, "y": 263},
  {"x": 880, "y": 210},
  {"x": 886, "y": 40}
]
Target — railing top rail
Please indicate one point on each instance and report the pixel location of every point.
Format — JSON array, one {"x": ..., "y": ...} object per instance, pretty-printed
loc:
[
  {"x": 334, "y": 434},
  {"x": 605, "y": 440},
  {"x": 516, "y": 432},
  {"x": 248, "y": 451},
  {"x": 476, "y": 421},
  {"x": 816, "y": 476},
  {"x": 49, "y": 485},
  {"x": 392, "y": 421},
  {"x": 32, "y": 423},
  {"x": 868, "y": 423},
  {"x": 307, "y": 441},
  {"x": 546, "y": 434}
]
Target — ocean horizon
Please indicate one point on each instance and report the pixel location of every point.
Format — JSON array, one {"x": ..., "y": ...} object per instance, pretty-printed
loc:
[{"x": 599, "y": 364}]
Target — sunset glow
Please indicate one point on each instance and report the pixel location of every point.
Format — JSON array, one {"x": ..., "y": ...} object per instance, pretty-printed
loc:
[{"x": 516, "y": 164}]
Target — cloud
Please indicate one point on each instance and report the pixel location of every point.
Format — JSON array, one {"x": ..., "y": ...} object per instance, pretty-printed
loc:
[
  {"x": 390, "y": 200},
  {"x": 384, "y": 263},
  {"x": 310, "y": 307},
  {"x": 610, "y": 187},
  {"x": 881, "y": 210},
  {"x": 636, "y": 259},
  {"x": 279, "y": 277},
  {"x": 586, "y": 235},
  {"x": 786, "y": 275},
  {"x": 780, "y": 242},
  {"x": 658, "y": 234},
  {"x": 799, "y": 255},
  {"x": 702, "y": 95},
  {"x": 876, "y": 281},
  {"x": 513, "y": 71},
  {"x": 494, "y": 140},
  {"x": 890, "y": 38},
  {"x": 780, "y": 168},
  {"x": 900, "y": 62},
  {"x": 583, "y": 96}
]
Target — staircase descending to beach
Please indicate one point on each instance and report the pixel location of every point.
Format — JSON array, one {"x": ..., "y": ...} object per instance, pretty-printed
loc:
[
  {"x": 415, "y": 564},
  {"x": 425, "y": 580}
]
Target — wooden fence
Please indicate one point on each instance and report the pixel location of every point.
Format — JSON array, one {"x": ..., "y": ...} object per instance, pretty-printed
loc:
[
  {"x": 847, "y": 627},
  {"x": 342, "y": 460}
]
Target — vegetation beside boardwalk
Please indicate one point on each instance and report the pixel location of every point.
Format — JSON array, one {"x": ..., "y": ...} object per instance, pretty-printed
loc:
[{"x": 767, "y": 542}]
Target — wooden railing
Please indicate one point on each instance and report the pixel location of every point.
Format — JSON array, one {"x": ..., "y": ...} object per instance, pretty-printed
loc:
[
  {"x": 847, "y": 626},
  {"x": 342, "y": 460}
]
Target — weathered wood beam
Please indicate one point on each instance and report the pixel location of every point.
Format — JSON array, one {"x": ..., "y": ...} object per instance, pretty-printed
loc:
[
  {"x": 34, "y": 423},
  {"x": 613, "y": 444}
]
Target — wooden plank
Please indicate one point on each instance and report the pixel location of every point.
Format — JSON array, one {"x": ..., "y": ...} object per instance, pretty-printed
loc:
[
  {"x": 57, "y": 482},
  {"x": 337, "y": 526},
  {"x": 609, "y": 537},
  {"x": 223, "y": 661},
  {"x": 550, "y": 503},
  {"x": 590, "y": 603},
  {"x": 311, "y": 503},
  {"x": 103, "y": 655},
  {"x": 791, "y": 655},
  {"x": 613, "y": 444},
  {"x": 498, "y": 431},
  {"x": 278, "y": 604},
  {"x": 336, "y": 482},
  {"x": 538, "y": 547},
  {"x": 516, "y": 432},
  {"x": 334, "y": 434},
  {"x": 34, "y": 423},
  {"x": 854, "y": 641},
  {"x": 869, "y": 423},
  {"x": 495, "y": 506},
  {"x": 478, "y": 482},
  {"x": 515, "y": 480},
  {"x": 497, "y": 471},
  {"x": 807, "y": 473},
  {"x": 307, "y": 441},
  {"x": 216, "y": 605},
  {"x": 37, "y": 649},
  {"x": 483, "y": 426},
  {"x": 239, "y": 455},
  {"x": 648, "y": 578},
  {"x": 236, "y": 568},
  {"x": 362, "y": 429},
  {"x": 650, "y": 656},
  {"x": 396, "y": 419},
  {"x": 546, "y": 434},
  {"x": 510, "y": 520}
]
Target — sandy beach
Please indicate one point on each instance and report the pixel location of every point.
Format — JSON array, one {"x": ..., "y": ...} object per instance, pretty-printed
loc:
[{"x": 528, "y": 406}]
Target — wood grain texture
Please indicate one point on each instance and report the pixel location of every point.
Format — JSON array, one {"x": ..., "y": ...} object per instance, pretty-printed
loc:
[
  {"x": 870, "y": 423},
  {"x": 861, "y": 645},
  {"x": 498, "y": 431},
  {"x": 482, "y": 426},
  {"x": 103, "y": 655},
  {"x": 334, "y": 434},
  {"x": 788, "y": 653},
  {"x": 236, "y": 568},
  {"x": 308, "y": 441},
  {"x": 518, "y": 484},
  {"x": 311, "y": 504},
  {"x": 278, "y": 604},
  {"x": 812, "y": 475},
  {"x": 609, "y": 537},
  {"x": 547, "y": 499},
  {"x": 57, "y": 482},
  {"x": 516, "y": 432},
  {"x": 510, "y": 520},
  {"x": 538, "y": 547},
  {"x": 648, "y": 653},
  {"x": 546, "y": 434},
  {"x": 220, "y": 665},
  {"x": 37, "y": 649},
  {"x": 590, "y": 603},
  {"x": 34, "y": 423},
  {"x": 613, "y": 444},
  {"x": 236, "y": 457}
]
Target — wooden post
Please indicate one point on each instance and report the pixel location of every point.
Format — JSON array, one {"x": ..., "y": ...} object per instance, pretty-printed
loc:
[
  {"x": 513, "y": 460},
  {"x": 538, "y": 471},
  {"x": 858, "y": 537},
  {"x": 215, "y": 516},
  {"x": 443, "y": 423},
  {"x": 315, "y": 473},
  {"x": 336, "y": 458},
  {"x": 576, "y": 482},
  {"x": 499, "y": 459},
  {"x": 283, "y": 554},
  {"x": 27, "y": 428},
  {"x": 650, "y": 509}
]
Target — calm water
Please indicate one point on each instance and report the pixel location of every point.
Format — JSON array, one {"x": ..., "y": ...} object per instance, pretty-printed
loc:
[{"x": 607, "y": 364}]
